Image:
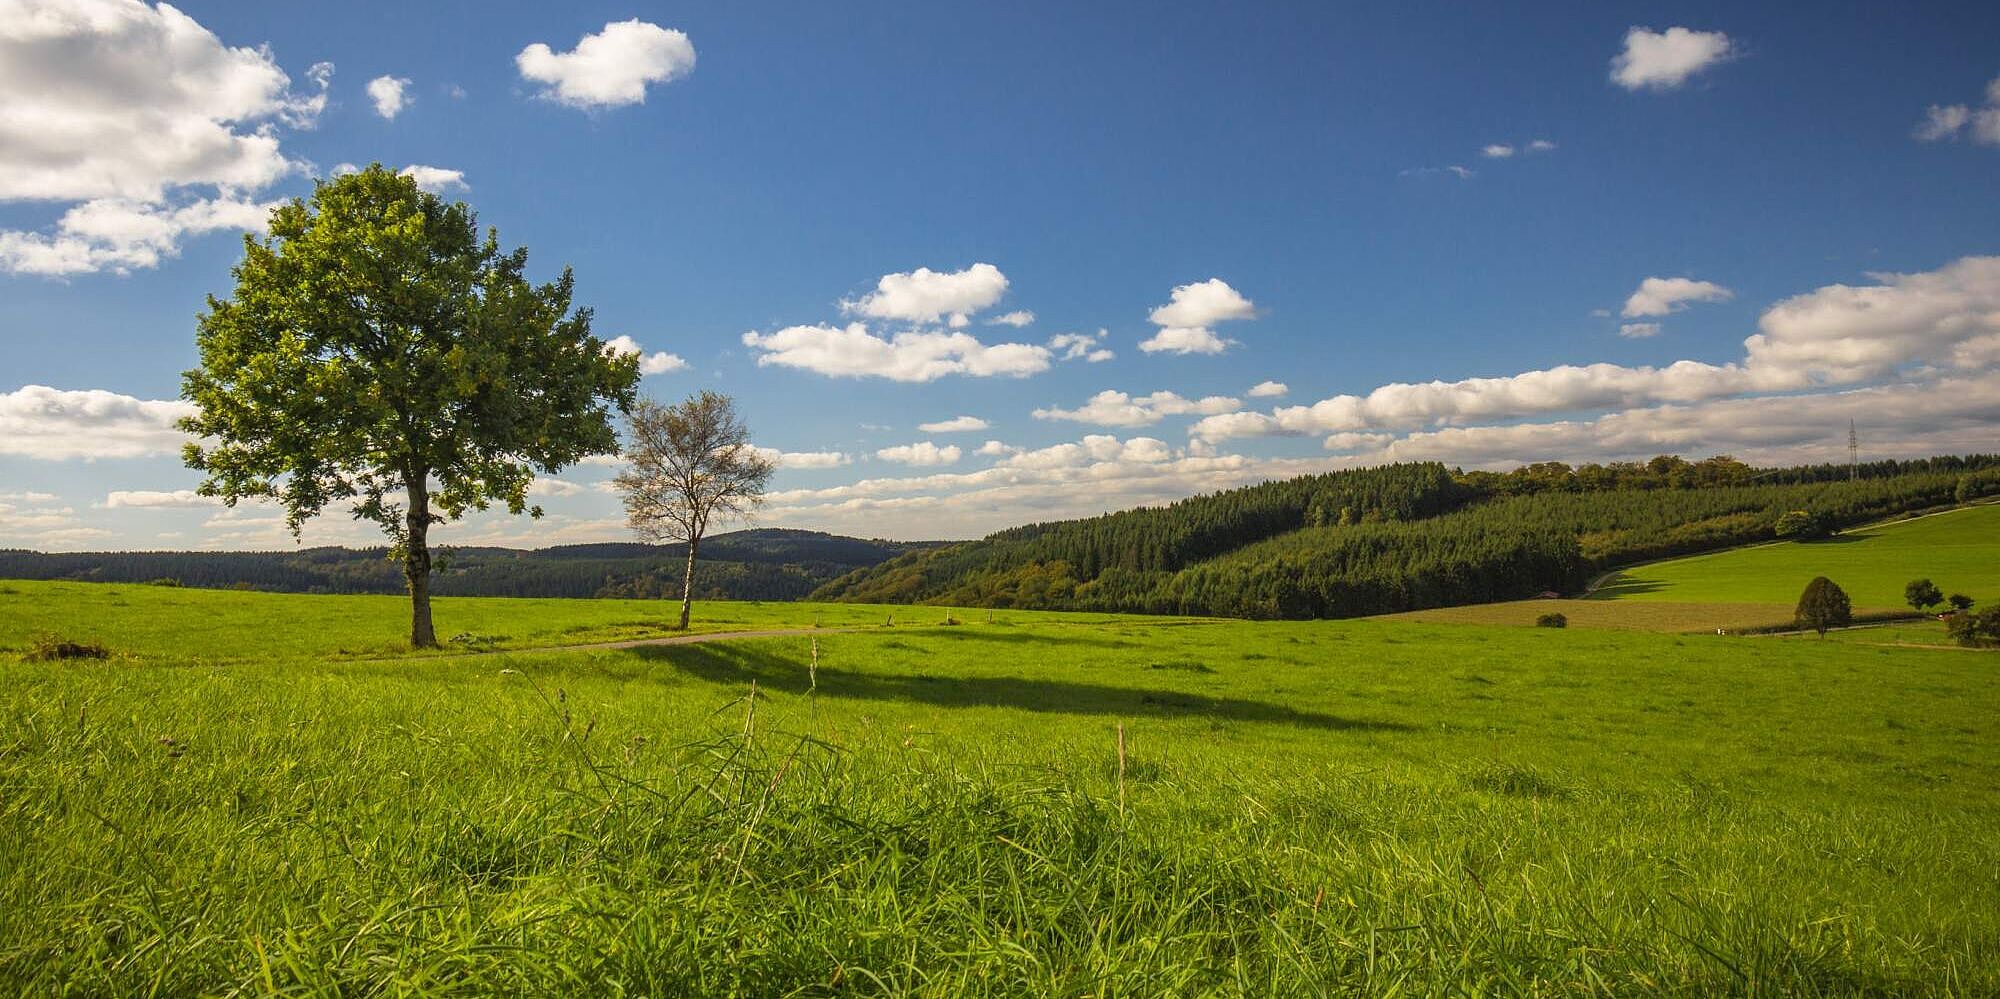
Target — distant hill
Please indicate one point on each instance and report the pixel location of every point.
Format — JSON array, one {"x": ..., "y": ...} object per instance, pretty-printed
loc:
[
  {"x": 1402, "y": 537},
  {"x": 761, "y": 564}
]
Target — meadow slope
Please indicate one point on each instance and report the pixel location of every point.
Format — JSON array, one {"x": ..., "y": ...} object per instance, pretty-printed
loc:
[{"x": 941, "y": 810}]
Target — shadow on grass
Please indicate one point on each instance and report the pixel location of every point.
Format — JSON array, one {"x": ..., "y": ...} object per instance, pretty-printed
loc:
[
  {"x": 1626, "y": 588},
  {"x": 965, "y": 633},
  {"x": 740, "y": 664}
]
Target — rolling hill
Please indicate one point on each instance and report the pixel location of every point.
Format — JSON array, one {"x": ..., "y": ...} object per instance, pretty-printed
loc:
[
  {"x": 762, "y": 564},
  {"x": 1401, "y": 537}
]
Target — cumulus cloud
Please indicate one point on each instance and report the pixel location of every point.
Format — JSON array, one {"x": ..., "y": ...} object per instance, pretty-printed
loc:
[
  {"x": 1497, "y": 151},
  {"x": 922, "y": 453},
  {"x": 813, "y": 459},
  {"x": 611, "y": 68},
  {"x": 1664, "y": 60},
  {"x": 997, "y": 449},
  {"x": 1017, "y": 319},
  {"x": 123, "y": 109},
  {"x": 56, "y": 424},
  {"x": 120, "y": 235},
  {"x": 1111, "y": 408},
  {"x": 389, "y": 95},
  {"x": 1081, "y": 347},
  {"x": 658, "y": 363},
  {"x": 955, "y": 425},
  {"x": 854, "y": 352},
  {"x": 153, "y": 499},
  {"x": 1638, "y": 331},
  {"x": 1186, "y": 319},
  {"x": 928, "y": 296},
  {"x": 1834, "y": 335},
  {"x": 1268, "y": 389},
  {"x": 1657, "y": 296},
  {"x": 125, "y": 100},
  {"x": 436, "y": 180},
  {"x": 1949, "y": 121}
]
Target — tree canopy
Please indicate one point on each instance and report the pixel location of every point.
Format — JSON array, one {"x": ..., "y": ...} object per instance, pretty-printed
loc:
[
  {"x": 1823, "y": 605},
  {"x": 378, "y": 350}
]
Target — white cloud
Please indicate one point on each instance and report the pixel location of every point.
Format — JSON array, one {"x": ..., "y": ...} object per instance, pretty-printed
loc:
[
  {"x": 853, "y": 352},
  {"x": 997, "y": 449},
  {"x": 1081, "y": 346},
  {"x": 118, "y": 499},
  {"x": 1950, "y": 120},
  {"x": 1657, "y": 296},
  {"x": 922, "y": 453},
  {"x": 557, "y": 487},
  {"x": 1638, "y": 331},
  {"x": 659, "y": 363},
  {"x": 389, "y": 95},
  {"x": 1017, "y": 319},
  {"x": 1541, "y": 146},
  {"x": 1837, "y": 334},
  {"x": 928, "y": 296},
  {"x": 120, "y": 235},
  {"x": 1185, "y": 320},
  {"x": 1658, "y": 60},
  {"x": 813, "y": 459},
  {"x": 955, "y": 425},
  {"x": 1455, "y": 170},
  {"x": 1497, "y": 151},
  {"x": 1268, "y": 389},
  {"x": 1111, "y": 408},
  {"x": 120, "y": 108},
  {"x": 436, "y": 180},
  {"x": 610, "y": 68},
  {"x": 54, "y": 424}
]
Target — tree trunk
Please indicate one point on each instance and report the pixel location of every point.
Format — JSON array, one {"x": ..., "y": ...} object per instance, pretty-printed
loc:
[
  {"x": 687, "y": 583},
  {"x": 417, "y": 562}
]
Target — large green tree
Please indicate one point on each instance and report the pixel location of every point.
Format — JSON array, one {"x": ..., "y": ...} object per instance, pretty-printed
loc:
[
  {"x": 378, "y": 350},
  {"x": 1822, "y": 606}
]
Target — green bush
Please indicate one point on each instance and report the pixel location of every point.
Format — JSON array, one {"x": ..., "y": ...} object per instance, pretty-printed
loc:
[
  {"x": 1552, "y": 620},
  {"x": 1976, "y": 631}
]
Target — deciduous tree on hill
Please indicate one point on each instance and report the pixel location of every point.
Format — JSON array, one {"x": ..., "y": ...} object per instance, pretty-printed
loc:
[
  {"x": 1823, "y": 605},
  {"x": 691, "y": 463},
  {"x": 1922, "y": 593},
  {"x": 378, "y": 350}
]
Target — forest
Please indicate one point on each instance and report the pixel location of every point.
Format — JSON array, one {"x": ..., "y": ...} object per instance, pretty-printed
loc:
[
  {"x": 1403, "y": 537},
  {"x": 761, "y": 564}
]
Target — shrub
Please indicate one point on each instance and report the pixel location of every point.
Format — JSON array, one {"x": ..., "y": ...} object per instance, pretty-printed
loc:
[
  {"x": 163, "y": 581},
  {"x": 1823, "y": 605},
  {"x": 1960, "y": 603},
  {"x": 49, "y": 648},
  {"x": 1976, "y": 631},
  {"x": 1922, "y": 593},
  {"x": 1803, "y": 525},
  {"x": 1552, "y": 620}
]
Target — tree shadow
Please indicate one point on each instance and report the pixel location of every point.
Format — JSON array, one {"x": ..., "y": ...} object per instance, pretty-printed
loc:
[
  {"x": 963, "y": 633},
  {"x": 740, "y": 663},
  {"x": 1626, "y": 588}
]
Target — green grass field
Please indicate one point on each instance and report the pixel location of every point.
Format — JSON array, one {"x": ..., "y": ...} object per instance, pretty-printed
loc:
[
  {"x": 1759, "y": 586},
  {"x": 1958, "y": 550},
  {"x": 1305, "y": 808}
]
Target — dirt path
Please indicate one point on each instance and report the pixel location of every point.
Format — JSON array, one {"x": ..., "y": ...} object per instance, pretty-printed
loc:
[{"x": 694, "y": 639}]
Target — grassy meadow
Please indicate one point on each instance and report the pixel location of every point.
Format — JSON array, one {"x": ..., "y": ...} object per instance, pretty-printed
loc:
[
  {"x": 1759, "y": 586},
  {"x": 238, "y": 802}
]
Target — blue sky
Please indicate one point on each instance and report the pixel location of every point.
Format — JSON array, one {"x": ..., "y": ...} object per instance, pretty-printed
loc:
[{"x": 1316, "y": 175}]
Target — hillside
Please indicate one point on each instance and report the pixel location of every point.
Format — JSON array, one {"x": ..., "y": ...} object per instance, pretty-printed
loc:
[
  {"x": 1958, "y": 550},
  {"x": 762, "y": 564},
  {"x": 1401, "y": 537}
]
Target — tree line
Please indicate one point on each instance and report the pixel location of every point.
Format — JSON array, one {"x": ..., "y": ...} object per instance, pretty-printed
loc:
[{"x": 1405, "y": 537}]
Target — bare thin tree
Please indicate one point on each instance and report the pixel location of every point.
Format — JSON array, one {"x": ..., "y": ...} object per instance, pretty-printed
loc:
[{"x": 691, "y": 464}]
